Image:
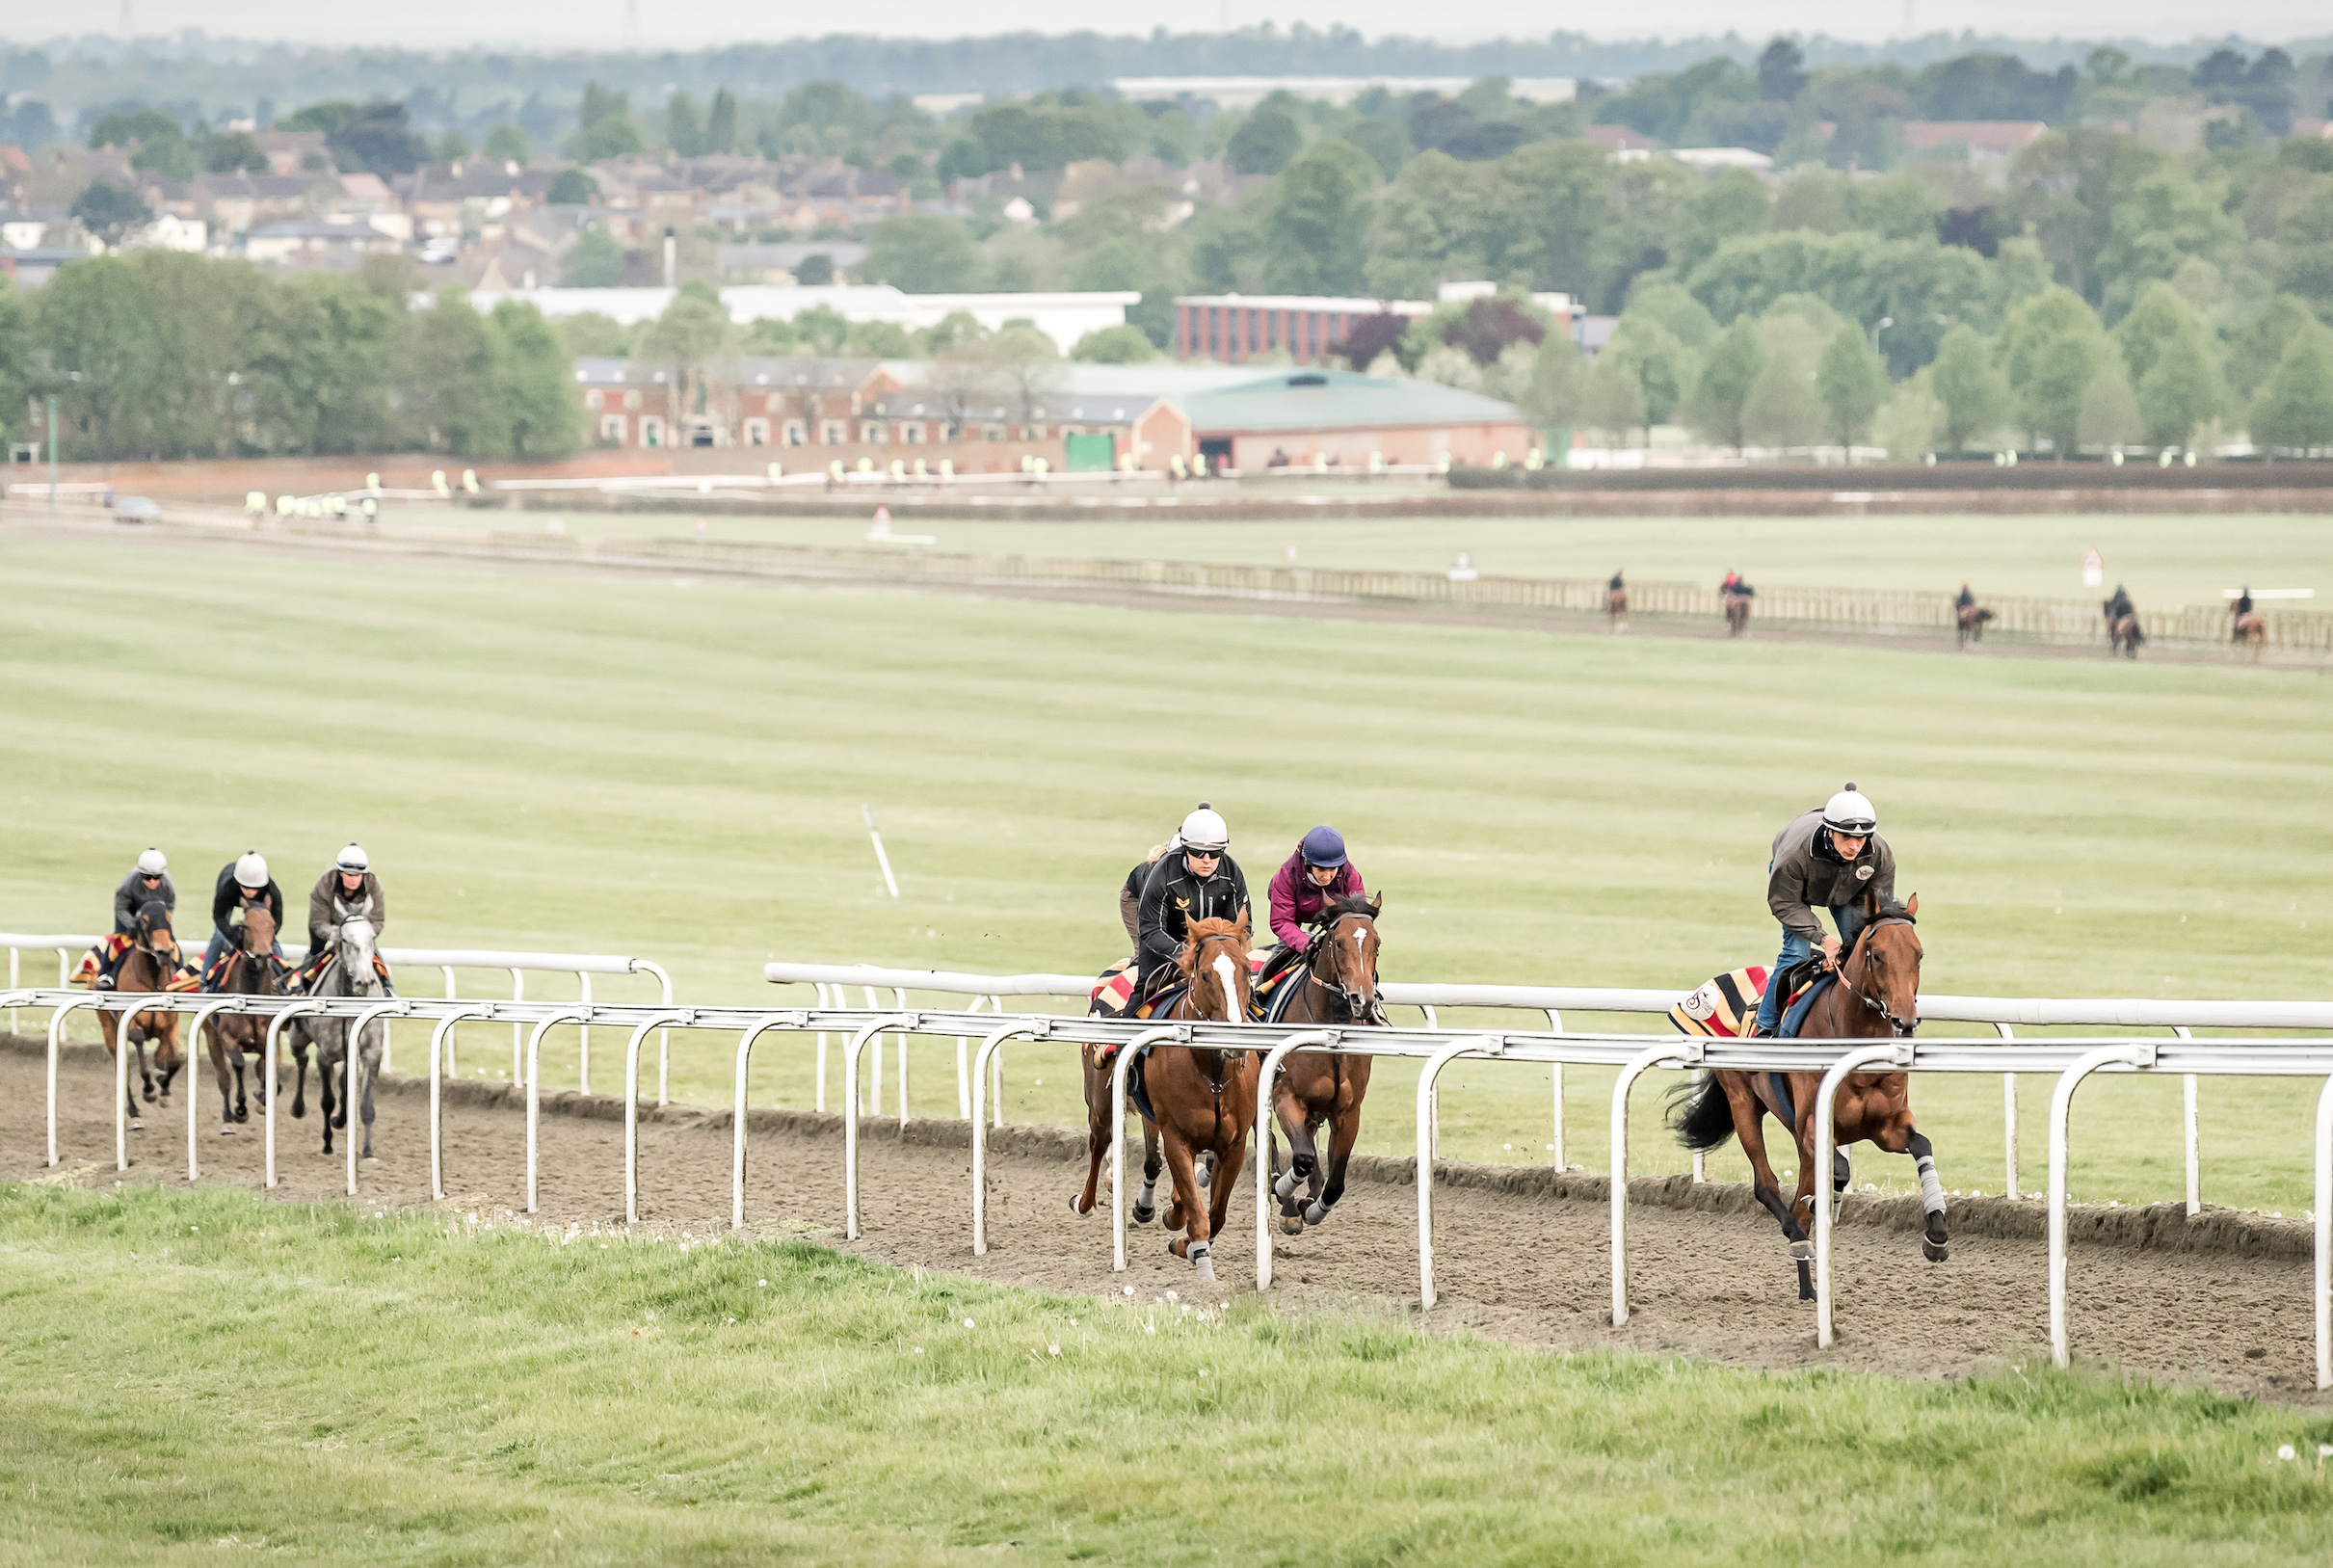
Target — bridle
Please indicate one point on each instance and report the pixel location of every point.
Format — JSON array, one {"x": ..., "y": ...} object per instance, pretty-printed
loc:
[
  {"x": 164, "y": 959},
  {"x": 1350, "y": 1008},
  {"x": 1877, "y": 1004}
]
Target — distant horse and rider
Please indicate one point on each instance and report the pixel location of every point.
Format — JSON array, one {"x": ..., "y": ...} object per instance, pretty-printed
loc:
[
  {"x": 1736, "y": 594},
  {"x": 2247, "y": 627},
  {"x": 1970, "y": 617},
  {"x": 2124, "y": 633},
  {"x": 1616, "y": 602}
]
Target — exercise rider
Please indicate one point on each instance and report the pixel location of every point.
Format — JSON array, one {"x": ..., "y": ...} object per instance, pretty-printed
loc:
[
  {"x": 347, "y": 889},
  {"x": 148, "y": 883},
  {"x": 243, "y": 884},
  {"x": 1828, "y": 859},
  {"x": 1195, "y": 880},
  {"x": 1308, "y": 881}
]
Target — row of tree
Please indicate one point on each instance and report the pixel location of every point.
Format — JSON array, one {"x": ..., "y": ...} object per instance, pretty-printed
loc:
[{"x": 163, "y": 354}]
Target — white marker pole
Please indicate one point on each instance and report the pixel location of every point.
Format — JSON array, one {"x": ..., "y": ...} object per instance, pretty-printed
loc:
[{"x": 881, "y": 858}]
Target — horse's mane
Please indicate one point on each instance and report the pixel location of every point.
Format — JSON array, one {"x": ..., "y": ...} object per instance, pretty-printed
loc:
[
  {"x": 154, "y": 915},
  {"x": 1351, "y": 904},
  {"x": 1893, "y": 909},
  {"x": 1201, "y": 932}
]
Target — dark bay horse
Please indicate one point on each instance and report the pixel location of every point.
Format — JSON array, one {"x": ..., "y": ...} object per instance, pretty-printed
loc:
[
  {"x": 1203, "y": 1100},
  {"x": 1737, "y": 613},
  {"x": 148, "y": 968},
  {"x": 1973, "y": 619},
  {"x": 1877, "y": 996},
  {"x": 1338, "y": 984},
  {"x": 249, "y": 972}
]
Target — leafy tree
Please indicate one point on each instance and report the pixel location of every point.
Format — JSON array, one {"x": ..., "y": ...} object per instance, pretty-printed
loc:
[
  {"x": 1908, "y": 421},
  {"x": 720, "y": 122},
  {"x": 1974, "y": 398},
  {"x": 1664, "y": 367},
  {"x": 1485, "y": 329},
  {"x": 963, "y": 158},
  {"x": 1669, "y": 304},
  {"x": 1265, "y": 142},
  {"x": 1784, "y": 409},
  {"x": 921, "y": 253},
  {"x": 2182, "y": 391},
  {"x": 1731, "y": 202},
  {"x": 2260, "y": 343},
  {"x": 1782, "y": 74},
  {"x": 452, "y": 402},
  {"x": 2293, "y": 410},
  {"x": 1612, "y": 399},
  {"x": 1115, "y": 346},
  {"x": 450, "y": 146},
  {"x": 2065, "y": 187},
  {"x": 326, "y": 116},
  {"x": 1993, "y": 87},
  {"x": 375, "y": 137},
  {"x": 1369, "y": 338},
  {"x": 505, "y": 143},
  {"x": 1317, "y": 238},
  {"x": 1556, "y": 395},
  {"x": 2050, "y": 349},
  {"x": 2160, "y": 318},
  {"x": 684, "y": 127},
  {"x": 589, "y": 334},
  {"x": 611, "y": 138},
  {"x": 1850, "y": 382},
  {"x": 96, "y": 323},
  {"x": 2165, "y": 218},
  {"x": 1720, "y": 398},
  {"x": 1386, "y": 143},
  {"x": 2108, "y": 414},
  {"x": 130, "y": 128},
  {"x": 234, "y": 152},
  {"x": 572, "y": 188},
  {"x": 534, "y": 383},
  {"x": 593, "y": 261},
  {"x": 2304, "y": 239},
  {"x": 110, "y": 212}
]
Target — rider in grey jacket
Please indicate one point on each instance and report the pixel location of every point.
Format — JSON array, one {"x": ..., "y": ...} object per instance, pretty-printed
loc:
[{"x": 1826, "y": 859}]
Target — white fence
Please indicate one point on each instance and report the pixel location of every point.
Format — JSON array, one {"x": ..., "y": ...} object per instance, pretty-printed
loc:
[
  {"x": 582, "y": 965},
  {"x": 2005, "y": 1013},
  {"x": 2071, "y": 1060}
]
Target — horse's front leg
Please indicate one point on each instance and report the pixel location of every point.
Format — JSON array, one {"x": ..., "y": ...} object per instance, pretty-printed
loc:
[
  {"x": 1304, "y": 1158},
  {"x": 168, "y": 1058},
  {"x": 371, "y": 1070},
  {"x": 1228, "y": 1162},
  {"x": 1344, "y": 1130},
  {"x": 1146, "y": 1201},
  {"x": 300, "y": 1079},
  {"x": 1097, "y": 1127},
  {"x": 1185, "y": 1207},
  {"x": 1900, "y": 1137}
]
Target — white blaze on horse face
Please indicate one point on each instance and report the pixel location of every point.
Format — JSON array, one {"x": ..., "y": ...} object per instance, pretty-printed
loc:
[{"x": 1230, "y": 987}]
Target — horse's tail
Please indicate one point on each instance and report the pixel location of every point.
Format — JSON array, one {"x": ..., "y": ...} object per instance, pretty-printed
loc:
[{"x": 1700, "y": 1114}]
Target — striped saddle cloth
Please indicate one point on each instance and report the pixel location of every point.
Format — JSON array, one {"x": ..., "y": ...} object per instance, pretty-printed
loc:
[
  {"x": 109, "y": 952},
  {"x": 1726, "y": 1008}
]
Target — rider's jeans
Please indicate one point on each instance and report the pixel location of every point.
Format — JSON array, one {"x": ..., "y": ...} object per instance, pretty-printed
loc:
[{"x": 1846, "y": 918}]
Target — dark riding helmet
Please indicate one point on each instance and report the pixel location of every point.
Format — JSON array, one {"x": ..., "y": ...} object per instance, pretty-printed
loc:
[{"x": 1323, "y": 846}]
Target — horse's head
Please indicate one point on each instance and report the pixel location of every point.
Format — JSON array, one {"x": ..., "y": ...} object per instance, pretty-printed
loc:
[
  {"x": 1215, "y": 961},
  {"x": 1343, "y": 957},
  {"x": 259, "y": 932},
  {"x": 356, "y": 944},
  {"x": 1889, "y": 982},
  {"x": 155, "y": 938}
]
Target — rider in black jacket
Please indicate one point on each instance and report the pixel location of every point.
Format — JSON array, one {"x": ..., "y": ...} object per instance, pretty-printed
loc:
[{"x": 1197, "y": 880}]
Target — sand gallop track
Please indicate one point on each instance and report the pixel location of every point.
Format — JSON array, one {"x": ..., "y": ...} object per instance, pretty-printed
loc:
[{"x": 1522, "y": 1255}]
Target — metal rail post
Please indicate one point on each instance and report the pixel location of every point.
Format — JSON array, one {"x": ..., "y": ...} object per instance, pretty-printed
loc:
[
  {"x": 1488, "y": 1045},
  {"x": 873, "y": 1098},
  {"x": 663, "y": 1037},
  {"x": 442, "y": 1040},
  {"x": 631, "y": 1106},
  {"x": 900, "y": 995},
  {"x": 583, "y": 1036},
  {"x": 201, "y": 1018},
  {"x": 850, "y": 1122},
  {"x": 273, "y": 1045},
  {"x": 823, "y": 1002},
  {"x": 1278, "y": 1054},
  {"x": 2323, "y": 1266},
  {"x": 132, "y": 1006},
  {"x": 997, "y": 1069},
  {"x": 963, "y": 1087},
  {"x": 1118, "y": 1072},
  {"x": 1827, "y": 1100},
  {"x": 2061, "y": 1102},
  {"x": 534, "y": 1088},
  {"x": 2008, "y": 1121},
  {"x": 2188, "y": 1098},
  {"x": 981, "y": 1061},
  {"x": 446, "y": 970},
  {"x": 1555, "y": 1025},
  {"x": 518, "y": 1029},
  {"x": 384, "y": 1011},
  {"x": 1683, "y": 1049},
  {"x": 745, "y": 1052},
  {"x": 55, "y": 1034}
]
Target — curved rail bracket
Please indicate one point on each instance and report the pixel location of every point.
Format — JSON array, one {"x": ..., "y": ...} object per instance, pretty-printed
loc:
[
  {"x": 686, "y": 1016},
  {"x": 1486, "y": 1046},
  {"x": 1685, "y": 1051},
  {"x": 980, "y": 1134},
  {"x": 2061, "y": 1102},
  {"x": 745, "y": 1053},
  {"x": 534, "y": 1089},
  {"x": 1272, "y": 1060},
  {"x": 1897, "y": 1053}
]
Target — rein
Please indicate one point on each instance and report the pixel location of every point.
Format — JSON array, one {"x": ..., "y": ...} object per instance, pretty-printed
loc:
[{"x": 1350, "y": 1009}]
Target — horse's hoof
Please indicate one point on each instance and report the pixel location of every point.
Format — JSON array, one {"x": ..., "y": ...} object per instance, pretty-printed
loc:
[
  {"x": 227, "y": 1129},
  {"x": 137, "y": 1124},
  {"x": 150, "y": 1094},
  {"x": 1143, "y": 1216},
  {"x": 1204, "y": 1263},
  {"x": 1314, "y": 1213},
  {"x": 1291, "y": 1224},
  {"x": 1805, "y": 1284},
  {"x": 1802, "y": 1252},
  {"x": 370, "y": 1160},
  {"x": 242, "y": 1113},
  {"x": 1935, "y": 1251},
  {"x": 1074, "y": 1207}
]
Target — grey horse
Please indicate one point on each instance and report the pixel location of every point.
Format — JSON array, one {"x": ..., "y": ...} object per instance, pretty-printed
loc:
[{"x": 351, "y": 973}]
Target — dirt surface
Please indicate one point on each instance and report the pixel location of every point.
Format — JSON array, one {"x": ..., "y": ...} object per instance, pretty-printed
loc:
[{"x": 1524, "y": 1255}]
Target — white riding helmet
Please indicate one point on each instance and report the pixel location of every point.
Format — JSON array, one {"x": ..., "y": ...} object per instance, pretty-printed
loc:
[
  {"x": 250, "y": 871},
  {"x": 1205, "y": 829},
  {"x": 1849, "y": 811},
  {"x": 153, "y": 863},
  {"x": 352, "y": 859}
]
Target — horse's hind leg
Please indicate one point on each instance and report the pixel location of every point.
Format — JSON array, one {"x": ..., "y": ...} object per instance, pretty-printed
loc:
[
  {"x": 168, "y": 1058},
  {"x": 325, "y": 1102},
  {"x": 299, "y": 1076},
  {"x": 370, "y": 1063},
  {"x": 1097, "y": 1132},
  {"x": 1145, "y": 1200}
]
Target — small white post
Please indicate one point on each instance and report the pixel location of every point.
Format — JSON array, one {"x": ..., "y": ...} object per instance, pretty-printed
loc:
[
  {"x": 1278, "y": 1054},
  {"x": 583, "y": 1035},
  {"x": 1425, "y": 1160},
  {"x": 2324, "y": 1236},
  {"x": 874, "y": 1097},
  {"x": 881, "y": 858},
  {"x": 903, "y": 1075},
  {"x": 2187, "y": 1097},
  {"x": 824, "y": 1001},
  {"x": 745, "y": 1052},
  {"x": 274, "y": 1048},
  {"x": 2008, "y": 1121},
  {"x": 452, "y": 1071},
  {"x": 997, "y": 1069},
  {"x": 850, "y": 1124},
  {"x": 1118, "y": 1070},
  {"x": 56, "y": 1035},
  {"x": 384, "y": 1011},
  {"x": 631, "y": 1110},
  {"x": 664, "y": 1036},
  {"x": 201, "y": 1021},
  {"x": 1555, "y": 1025}
]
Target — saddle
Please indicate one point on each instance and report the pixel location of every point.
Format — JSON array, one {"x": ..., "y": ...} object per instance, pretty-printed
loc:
[
  {"x": 310, "y": 972},
  {"x": 107, "y": 956}
]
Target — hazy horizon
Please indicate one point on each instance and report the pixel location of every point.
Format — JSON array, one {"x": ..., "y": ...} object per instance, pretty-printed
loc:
[{"x": 560, "y": 25}]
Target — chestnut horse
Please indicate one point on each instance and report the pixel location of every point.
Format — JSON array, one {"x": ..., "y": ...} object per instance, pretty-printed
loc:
[
  {"x": 148, "y": 967},
  {"x": 1338, "y": 985},
  {"x": 1203, "y": 1100},
  {"x": 249, "y": 972},
  {"x": 1616, "y": 607},
  {"x": 1973, "y": 619},
  {"x": 1877, "y": 995},
  {"x": 2252, "y": 628}
]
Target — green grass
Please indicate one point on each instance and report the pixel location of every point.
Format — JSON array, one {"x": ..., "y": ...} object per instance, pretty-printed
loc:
[
  {"x": 675, "y": 767},
  {"x": 188, "y": 1372},
  {"x": 2162, "y": 559}
]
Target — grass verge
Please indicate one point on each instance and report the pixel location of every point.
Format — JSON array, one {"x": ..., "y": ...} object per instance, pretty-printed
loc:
[{"x": 188, "y": 1372}]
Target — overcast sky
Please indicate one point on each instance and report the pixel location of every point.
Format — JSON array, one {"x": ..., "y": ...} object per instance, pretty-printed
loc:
[{"x": 596, "y": 23}]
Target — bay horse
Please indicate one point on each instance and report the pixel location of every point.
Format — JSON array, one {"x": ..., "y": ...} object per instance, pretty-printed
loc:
[
  {"x": 2124, "y": 634},
  {"x": 1616, "y": 605},
  {"x": 351, "y": 973},
  {"x": 250, "y": 971},
  {"x": 2252, "y": 630},
  {"x": 1737, "y": 613},
  {"x": 1336, "y": 985},
  {"x": 1876, "y": 997},
  {"x": 148, "y": 967},
  {"x": 1201, "y": 1101},
  {"x": 1972, "y": 619}
]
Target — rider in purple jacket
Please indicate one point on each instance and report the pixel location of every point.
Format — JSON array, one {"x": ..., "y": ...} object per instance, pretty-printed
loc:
[{"x": 1317, "y": 874}]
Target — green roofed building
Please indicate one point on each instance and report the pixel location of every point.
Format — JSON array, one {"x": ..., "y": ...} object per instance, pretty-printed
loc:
[{"x": 1305, "y": 416}]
